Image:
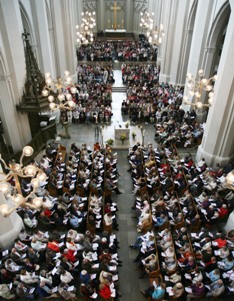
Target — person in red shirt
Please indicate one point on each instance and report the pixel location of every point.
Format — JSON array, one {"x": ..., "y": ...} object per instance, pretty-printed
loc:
[
  {"x": 221, "y": 242},
  {"x": 69, "y": 254},
  {"x": 104, "y": 291},
  {"x": 53, "y": 245},
  {"x": 223, "y": 211}
]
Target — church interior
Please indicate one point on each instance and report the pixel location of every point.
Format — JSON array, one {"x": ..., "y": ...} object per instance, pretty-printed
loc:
[{"x": 116, "y": 150}]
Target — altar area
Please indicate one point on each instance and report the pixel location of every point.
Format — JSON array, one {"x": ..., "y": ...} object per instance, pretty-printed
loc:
[
  {"x": 115, "y": 33},
  {"x": 117, "y": 131}
]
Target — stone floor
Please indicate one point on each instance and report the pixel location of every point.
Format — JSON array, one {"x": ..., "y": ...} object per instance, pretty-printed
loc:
[{"x": 130, "y": 285}]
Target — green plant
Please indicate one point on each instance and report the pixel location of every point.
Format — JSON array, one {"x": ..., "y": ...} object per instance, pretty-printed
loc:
[
  {"x": 110, "y": 141},
  {"x": 126, "y": 124},
  {"x": 133, "y": 134},
  {"x": 123, "y": 137}
]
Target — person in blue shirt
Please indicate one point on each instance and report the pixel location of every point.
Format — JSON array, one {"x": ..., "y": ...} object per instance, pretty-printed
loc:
[
  {"x": 160, "y": 220},
  {"x": 74, "y": 221},
  {"x": 226, "y": 264},
  {"x": 84, "y": 277},
  {"x": 214, "y": 275},
  {"x": 156, "y": 291}
]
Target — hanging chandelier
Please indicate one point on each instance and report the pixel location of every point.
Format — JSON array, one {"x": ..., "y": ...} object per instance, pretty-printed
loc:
[
  {"x": 60, "y": 92},
  {"x": 196, "y": 87},
  {"x": 230, "y": 180},
  {"x": 84, "y": 31},
  {"x": 154, "y": 33},
  {"x": 10, "y": 185}
]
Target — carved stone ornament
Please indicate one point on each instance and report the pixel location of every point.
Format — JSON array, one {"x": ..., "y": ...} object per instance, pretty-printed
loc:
[
  {"x": 89, "y": 5},
  {"x": 110, "y": 3}
]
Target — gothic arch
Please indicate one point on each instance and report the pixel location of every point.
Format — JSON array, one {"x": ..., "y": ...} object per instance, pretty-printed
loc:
[
  {"x": 187, "y": 43},
  {"x": 217, "y": 35},
  {"x": 219, "y": 24}
]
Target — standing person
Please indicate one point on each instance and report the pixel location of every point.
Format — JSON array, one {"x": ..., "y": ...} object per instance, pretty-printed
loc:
[
  {"x": 87, "y": 114},
  {"x": 65, "y": 124},
  {"x": 105, "y": 76}
]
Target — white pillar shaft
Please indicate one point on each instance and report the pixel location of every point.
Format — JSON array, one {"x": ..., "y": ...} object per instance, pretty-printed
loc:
[
  {"x": 128, "y": 19},
  {"x": 200, "y": 30},
  {"x": 100, "y": 19},
  {"x": 218, "y": 141},
  {"x": 64, "y": 31},
  {"x": 10, "y": 226},
  {"x": 169, "y": 16},
  {"x": 179, "y": 42},
  {"x": 12, "y": 75},
  {"x": 44, "y": 43}
]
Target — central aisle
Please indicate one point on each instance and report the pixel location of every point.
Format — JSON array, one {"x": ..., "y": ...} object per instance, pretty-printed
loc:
[{"x": 130, "y": 285}]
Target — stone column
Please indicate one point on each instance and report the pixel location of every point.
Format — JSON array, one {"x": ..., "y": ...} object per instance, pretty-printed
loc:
[
  {"x": 139, "y": 7},
  {"x": 43, "y": 34},
  {"x": 102, "y": 16},
  {"x": 128, "y": 18},
  {"x": 181, "y": 77},
  {"x": 10, "y": 226},
  {"x": 179, "y": 42},
  {"x": 201, "y": 28},
  {"x": 62, "y": 13},
  {"x": 218, "y": 141},
  {"x": 170, "y": 10},
  {"x": 12, "y": 75}
]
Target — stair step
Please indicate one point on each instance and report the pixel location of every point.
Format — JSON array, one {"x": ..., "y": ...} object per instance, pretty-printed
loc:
[{"x": 119, "y": 89}]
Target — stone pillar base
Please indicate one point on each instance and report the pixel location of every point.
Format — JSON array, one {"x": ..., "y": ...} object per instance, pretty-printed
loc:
[
  {"x": 201, "y": 116},
  {"x": 11, "y": 226},
  {"x": 164, "y": 78},
  {"x": 212, "y": 159}
]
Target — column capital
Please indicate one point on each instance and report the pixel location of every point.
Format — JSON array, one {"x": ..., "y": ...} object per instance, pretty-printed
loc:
[{"x": 210, "y": 49}]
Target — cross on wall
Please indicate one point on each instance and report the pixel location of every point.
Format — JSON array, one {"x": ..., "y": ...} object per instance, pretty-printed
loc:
[{"x": 115, "y": 8}]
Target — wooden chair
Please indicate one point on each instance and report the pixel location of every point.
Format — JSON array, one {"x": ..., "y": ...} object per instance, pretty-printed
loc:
[
  {"x": 107, "y": 192},
  {"x": 91, "y": 228},
  {"x": 80, "y": 191},
  {"x": 52, "y": 191},
  {"x": 93, "y": 190},
  {"x": 165, "y": 226},
  {"x": 195, "y": 227},
  {"x": 179, "y": 225},
  {"x": 106, "y": 228},
  {"x": 65, "y": 189},
  {"x": 154, "y": 274}
]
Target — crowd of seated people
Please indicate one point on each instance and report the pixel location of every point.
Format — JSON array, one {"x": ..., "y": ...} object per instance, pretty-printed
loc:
[
  {"x": 101, "y": 51},
  {"x": 126, "y": 50},
  {"x": 57, "y": 254},
  {"x": 134, "y": 51},
  {"x": 50, "y": 264},
  {"x": 134, "y": 76},
  {"x": 93, "y": 97},
  {"x": 191, "y": 266},
  {"x": 149, "y": 102},
  {"x": 177, "y": 127}
]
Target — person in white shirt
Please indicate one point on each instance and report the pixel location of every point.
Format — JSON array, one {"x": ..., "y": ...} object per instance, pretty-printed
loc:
[
  {"x": 30, "y": 222},
  {"x": 27, "y": 277},
  {"x": 65, "y": 276}
]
